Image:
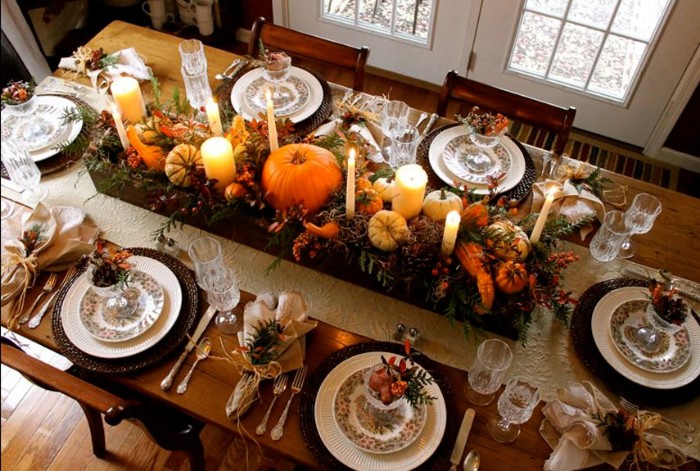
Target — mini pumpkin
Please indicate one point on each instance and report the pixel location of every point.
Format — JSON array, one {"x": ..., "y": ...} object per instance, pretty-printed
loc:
[
  {"x": 508, "y": 241},
  {"x": 182, "y": 163},
  {"x": 438, "y": 203},
  {"x": 511, "y": 277},
  {"x": 153, "y": 156},
  {"x": 368, "y": 201},
  {"x": 363, "y": 183},
  {"x": 233, "y": 191},
  {"x": 298, "y": 173},
  {"x": 476, "y": 215},
  {"x": 384, "y": 188},
  {"x": 387, "y": 229}
]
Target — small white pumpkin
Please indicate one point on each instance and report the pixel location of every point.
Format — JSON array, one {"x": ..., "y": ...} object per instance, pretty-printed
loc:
[
  {"x": 387, "y": 229},
  {"x": 384, "y": 188},
  {"x": 438, "y": 203},
  {"x": 181, "y": 163},
  {"x": 518, "y": 249}
]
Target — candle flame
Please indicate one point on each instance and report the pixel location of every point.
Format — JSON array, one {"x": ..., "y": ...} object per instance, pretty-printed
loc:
[
  {"x": 268, "y": 93},
  {"x": 351, "y": 155},
  {"x": 453, "y": 217}
]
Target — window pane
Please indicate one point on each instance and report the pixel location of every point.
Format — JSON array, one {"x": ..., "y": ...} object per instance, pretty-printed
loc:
[
  {"x": 412, "y": 17},
  {"x": 376, "y": 13},
  {"x": 535, "y": 43},
  {"x": 575, "y": 55},
  {"x": 341, "y": 8},
  {"x": 596, "y": 13},
  {"x": 551, "y": 7},
  {"x": 639, "y": 18},
  {"x": 617, "y": 66}
]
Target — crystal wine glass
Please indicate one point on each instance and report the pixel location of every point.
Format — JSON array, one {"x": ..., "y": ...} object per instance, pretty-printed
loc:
[
  {"x": 120, "y": 299},
  {"x": 515, "y": 407},
  {"x": 223, "y": 294},
  {"x": 639, "y": 219},
  {"x": 276, "y": 71},
  {"x": 23, "y": 171},
  {"x": 478, "y": 160},
  {"x": 394, "y": 115},
  {"x": 205, "y": 253},
  {"x": 493, "y": 358}
]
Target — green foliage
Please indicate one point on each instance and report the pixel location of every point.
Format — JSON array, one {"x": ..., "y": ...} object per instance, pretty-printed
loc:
[
  {"x": 372, "y": 264},
  {"x": 261, "y": 348}
]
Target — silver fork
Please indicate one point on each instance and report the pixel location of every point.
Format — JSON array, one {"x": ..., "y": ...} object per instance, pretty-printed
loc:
[
  {"x": 686, "y": 428},
  {"x": 48, "y": 286},
  {"x": 298, "y": 382},
  {"x": 279, "y": 388},
  {"x": 36, "y": 320}
]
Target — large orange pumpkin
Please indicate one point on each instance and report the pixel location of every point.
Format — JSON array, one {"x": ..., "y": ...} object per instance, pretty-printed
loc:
[{"x": 298, "y": 173}]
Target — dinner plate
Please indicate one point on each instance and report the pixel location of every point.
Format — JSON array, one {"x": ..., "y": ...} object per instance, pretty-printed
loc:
[
  {"x": 455, "y": 154},
  {"x": 671, "y": 354},
  {"x": 294, "y": 87},
  {"x": 358, "y": 425},
  {"x": 437, "y": 162},
  {"x": 350, "y": 455},
  {"x": 111, "y": 328},
  {"x": 52, "y": 109},
  {"x": 312, "y": 104},
  {"x": 82, "y": 339},
  {"x": 600, "y": 328}
]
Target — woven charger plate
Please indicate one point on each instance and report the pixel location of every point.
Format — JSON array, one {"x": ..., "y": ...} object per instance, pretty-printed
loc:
[
  {"x": 517, "y": 193},
  {"x": 187, "y": 317},
  {"x": 438, "y": 461},
  {"x": 302, "y": 128},
  {"x": 584, "y": 344},
  {"x": 63, "y": 160}
]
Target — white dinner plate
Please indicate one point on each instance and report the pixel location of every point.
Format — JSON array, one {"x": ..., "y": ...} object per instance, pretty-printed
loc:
[
  {"x": 312, "y": 104},
  {"x": 350, "y": 455},
  {"x": 437, "y": 162},
  {"x": 81, "y": 338},
  {"x": 52, "y": 109},
  {"x": 600, "y": 326}
]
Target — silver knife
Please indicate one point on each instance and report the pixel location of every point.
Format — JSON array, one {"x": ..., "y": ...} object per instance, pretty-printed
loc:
[
  {"x": 431, "y": 122},
  {"x": 201, "y": 327},
  {"x": 462, "y": 436}
]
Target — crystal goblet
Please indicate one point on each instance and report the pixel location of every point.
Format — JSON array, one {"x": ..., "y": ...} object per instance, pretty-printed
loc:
[
  {"x": 394, "y": 115},
  {"x": 515, "y": 407},
  {"x": 607, "y": 241},
  {"x": 34, "y": 131},
  {"x": 120, "y": 299},
  {"x": 639, "y": 219},
  {"x": 477, "y": 160},
  {"x": 382, "y": 413},
  {"x": 205, "y": 253},
  {"x": 493, "y": 358},
  {"x": 23, "y": 171},
  {"x": 223, "y": 294},
  {"x": 276, "y": 71}
]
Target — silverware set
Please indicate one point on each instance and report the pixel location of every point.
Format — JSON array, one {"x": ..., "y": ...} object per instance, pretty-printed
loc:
[
  {"x": 673, "y": 428},
  {"x": 297, "y": 383},
  {"x": 48, "y": 287},
  {"x": 36, "y": 320}
]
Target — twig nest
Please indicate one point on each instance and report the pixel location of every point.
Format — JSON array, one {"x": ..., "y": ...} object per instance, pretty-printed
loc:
[
  {"x": 387, "y": 229},
  {"x": 437, "y": 204}
]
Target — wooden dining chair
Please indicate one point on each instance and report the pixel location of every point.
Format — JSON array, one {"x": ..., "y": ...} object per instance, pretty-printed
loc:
[
  {"x": 516, "y": 107},
  {"x": 168, "y": 428},
  {"x": 306, "y": 46}
]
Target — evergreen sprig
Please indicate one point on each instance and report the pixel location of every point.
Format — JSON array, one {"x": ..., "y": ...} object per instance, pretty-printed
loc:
[{"x": 261, "y": 347}]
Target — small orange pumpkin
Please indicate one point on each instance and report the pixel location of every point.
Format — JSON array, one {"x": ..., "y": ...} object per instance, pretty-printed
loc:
[
  {"x": 368, "y": 201},
  {"x": 363, "y": 183},
  {"x": 233, "y": 191},
  {"x": 476, "y": 215},
  {"x": 511, "y": 277},
  {"x": 298, "y": 173}
]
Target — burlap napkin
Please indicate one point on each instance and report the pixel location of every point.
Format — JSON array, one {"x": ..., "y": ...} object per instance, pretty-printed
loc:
[
  {"x": 65, "y": 236},
  {"x": 568, "y": 202},
  {"x": 577, "y": 440},
  {"x": 290, "y": 310},
  {"x": 130, "y": 63}
]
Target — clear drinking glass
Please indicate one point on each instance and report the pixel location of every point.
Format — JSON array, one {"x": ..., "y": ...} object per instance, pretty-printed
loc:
[
  {"x": 515, "y": 407},
  {"x": 192, "y": 56},
  {"x": 23, "y": 171},
  {"x": 194, "y": 73},
  {"x": 34, "y": 131},
  {"x": 394, "y": 114},
  {"x": 276, "y": 71},
  {"x": 120, "y": 299},
  {"x": 223, "y": 294},
  {"x": 639, "y": 219},
  {"x": 403, "y": 150},
  {"x": 493, "y": 358},
  {"x": 608, "y": 239},
  {"x": 478, "y": 160},
  {"x": 205, "y": 253}
]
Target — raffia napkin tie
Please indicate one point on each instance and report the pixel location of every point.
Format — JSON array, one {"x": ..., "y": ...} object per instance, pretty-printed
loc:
[{"x": 129, "y": 63}]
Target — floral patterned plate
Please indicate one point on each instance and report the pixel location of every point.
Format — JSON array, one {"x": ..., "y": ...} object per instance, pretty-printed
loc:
[
  {"x": 673, "y": 353},
  {"x": 112, "y": 329},
  {"x": 296, "y": 89},
  {"x": 455, "y": 154},
  {"x": 358, "y": 425}
]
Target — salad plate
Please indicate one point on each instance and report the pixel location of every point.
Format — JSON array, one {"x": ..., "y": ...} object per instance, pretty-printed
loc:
[{"x": 455, "y": 153}]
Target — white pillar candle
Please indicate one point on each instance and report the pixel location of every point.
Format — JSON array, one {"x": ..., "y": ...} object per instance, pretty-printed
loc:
[
  {"x": 409, "y": 190},
  {"x": 214, "y": 117},
  {"x": 217, "y": 157},
  {"x": 271, "y": 126},
  {"x": 119, "y": 124},
  {"x": 350, "y": 187},
  {"x": 542, "y": 218},
  {"x": 127, "y": 95},
  {"x": 449, "y": 237}
]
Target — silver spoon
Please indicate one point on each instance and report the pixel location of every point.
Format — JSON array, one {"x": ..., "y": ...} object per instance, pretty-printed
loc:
[
  {"x": 203, "y": 350},
  {"x": 231, "y": 70},
  {"x": 472, "y": 461}
]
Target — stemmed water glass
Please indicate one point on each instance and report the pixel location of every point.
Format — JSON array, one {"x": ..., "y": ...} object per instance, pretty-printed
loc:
[
  {"x": 493, "y": 358},
  {"x": 205, "y": 253},
  {"x": 394, "y": 116},
  {"x": 23, "y": 171},
  {"x": 477, "y": 160},
  {"x": 223, "y": 294},
  {"x": 515, "y": 407},
  {"x": 639, "y": 218},
  {"x": 194, "y": 73},
  {"x": 276, "y": 71}
]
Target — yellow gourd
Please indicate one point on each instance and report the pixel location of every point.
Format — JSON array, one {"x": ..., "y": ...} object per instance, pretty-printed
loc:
[{"x": 387, "y": 229}]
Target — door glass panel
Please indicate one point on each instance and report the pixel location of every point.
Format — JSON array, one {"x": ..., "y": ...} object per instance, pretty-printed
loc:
[
  {"x": 639, "y": 19},
  {"x": 551, "y": 7},
  {"x": 535, "y": 43},
  {"x": 596, "y": 13},
  {"x": 339, "y": 9},
  {"x": 376, "y": 13},
  {"x": 617, "y": 66},
  {"x": 575, "y": 54}
]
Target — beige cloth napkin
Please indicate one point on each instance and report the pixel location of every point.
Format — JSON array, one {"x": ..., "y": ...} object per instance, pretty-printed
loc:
[
  {"x": 130, "y": 63},
  {"x": 66, "y": 236},
  {"x": 579, "y": 443},
  {"x": 568, "y": 202},
  {"x": 368, "y": 133}
]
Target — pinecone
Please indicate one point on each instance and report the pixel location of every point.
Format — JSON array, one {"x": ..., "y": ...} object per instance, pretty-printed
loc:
[{"x": 417, "y": 258}]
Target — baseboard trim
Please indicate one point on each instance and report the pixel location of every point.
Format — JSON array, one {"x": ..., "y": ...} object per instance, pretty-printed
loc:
[{"x": 678, "y": 159}]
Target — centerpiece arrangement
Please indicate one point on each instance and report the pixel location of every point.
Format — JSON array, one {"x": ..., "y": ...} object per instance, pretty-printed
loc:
[{"x": 321, "y": 203}]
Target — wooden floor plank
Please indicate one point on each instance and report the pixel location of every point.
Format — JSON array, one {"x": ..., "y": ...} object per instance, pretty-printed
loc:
[{"x": 24, "y": 421}]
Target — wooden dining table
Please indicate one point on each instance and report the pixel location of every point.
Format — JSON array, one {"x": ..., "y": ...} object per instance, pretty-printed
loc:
[{"x": 672, "y": 244}]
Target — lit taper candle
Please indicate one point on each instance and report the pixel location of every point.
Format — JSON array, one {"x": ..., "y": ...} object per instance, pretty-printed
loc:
[
  {"x": 350, "y": 187},
  {"x": 271, "y": 126},
  {"x": 214, "y": 117},
  {"x": 449, "y": 237}
]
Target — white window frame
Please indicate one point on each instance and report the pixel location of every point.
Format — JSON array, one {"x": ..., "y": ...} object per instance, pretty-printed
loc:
[{"x": 625, "y": 100}]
